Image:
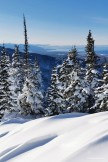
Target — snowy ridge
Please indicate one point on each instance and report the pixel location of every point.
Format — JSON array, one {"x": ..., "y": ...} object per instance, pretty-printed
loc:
[{"x": 71, "y": 137}]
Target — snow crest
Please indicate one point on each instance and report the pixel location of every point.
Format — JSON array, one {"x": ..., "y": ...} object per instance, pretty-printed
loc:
[{"x": 71, "y": 137}]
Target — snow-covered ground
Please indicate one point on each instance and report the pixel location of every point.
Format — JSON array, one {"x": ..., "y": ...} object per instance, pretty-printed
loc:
[{"x": 65, "y": 138}]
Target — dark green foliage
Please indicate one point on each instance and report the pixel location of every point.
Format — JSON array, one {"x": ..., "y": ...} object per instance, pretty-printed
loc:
[
  {"x": 26, "y": 50},
  {"x": 101, "y": 93},
  {"x": 5, "y": 93},
  {"x": 16, "y": 79},
  {"x": 53, "y": 98},
  {"x": 91, "y": 56},
  {"x": 92, "y": 74}
]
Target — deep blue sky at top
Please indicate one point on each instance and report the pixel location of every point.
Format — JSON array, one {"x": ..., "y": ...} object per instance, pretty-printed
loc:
[{"x": 60, "y": 22}]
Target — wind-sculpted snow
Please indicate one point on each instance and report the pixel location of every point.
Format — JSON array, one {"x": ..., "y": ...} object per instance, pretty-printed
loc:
[{"x": 71, "y": 137}]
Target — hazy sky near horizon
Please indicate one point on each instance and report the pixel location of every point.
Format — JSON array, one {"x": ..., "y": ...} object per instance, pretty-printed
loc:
[{"x": 56, "y": 22}]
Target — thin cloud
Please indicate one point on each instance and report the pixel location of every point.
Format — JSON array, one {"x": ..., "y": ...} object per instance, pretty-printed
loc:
[{"x": 100, "y": 20}]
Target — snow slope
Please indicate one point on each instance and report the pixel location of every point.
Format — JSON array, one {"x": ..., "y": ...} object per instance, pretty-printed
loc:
[{"x": 65, "y": 138}]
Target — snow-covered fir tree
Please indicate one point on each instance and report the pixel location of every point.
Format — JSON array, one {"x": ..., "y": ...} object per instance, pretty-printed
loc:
[
  {"x": 55, "y": 102},
  {"x": 37, "y": 73},
  {"x": 101, "y": 93},
  {"x": 5, "y": 93},
  {"x": 66, "y": 68},
  {"x": 38, "y": 83},
  {"x": 64, "y": 81},
  {"x": 76, "y": 93},
  {"x": 16, "y": 79},
  {"x": 59, "y": 82},
  {"x": 92, "y": 74},
  {"x": 31, "y": 99},
  {"x": 68, "y": 91}
]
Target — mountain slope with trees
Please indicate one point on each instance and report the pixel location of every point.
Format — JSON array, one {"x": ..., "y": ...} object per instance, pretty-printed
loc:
[{"x": 76, "y": 84}]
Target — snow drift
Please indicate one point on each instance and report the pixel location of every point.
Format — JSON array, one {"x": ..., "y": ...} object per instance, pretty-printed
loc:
[{"x": 72, "y": 137}]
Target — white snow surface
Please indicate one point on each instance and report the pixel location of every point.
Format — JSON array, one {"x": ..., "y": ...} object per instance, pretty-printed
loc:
[{"x": 71, "y": 137}]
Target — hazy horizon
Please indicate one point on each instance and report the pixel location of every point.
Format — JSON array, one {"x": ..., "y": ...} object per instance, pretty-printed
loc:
[{"x": 48, "y": 49}]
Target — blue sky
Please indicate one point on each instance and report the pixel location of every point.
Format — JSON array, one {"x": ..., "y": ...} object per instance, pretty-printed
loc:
[{"x": 56, "y": 22}]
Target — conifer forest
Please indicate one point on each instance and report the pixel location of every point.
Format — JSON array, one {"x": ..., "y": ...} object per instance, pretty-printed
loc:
[{"x": 76, "y": 85}]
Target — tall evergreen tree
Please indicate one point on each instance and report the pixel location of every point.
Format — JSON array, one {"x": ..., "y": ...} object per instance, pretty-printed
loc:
[
  {"x": 66, "y": 68},
  {"x": 31, "y": 97},
  {"x": 68, "y": 91},
  {"x": 101, "y": 93},
  {"x": 54, "y": 97},
  {"x": 56, "y": 102},
  {"x": 16, "y": 79},
  {"x": 91, "y": 56},
  {"x": 92, "y": 75},
  {"x": 37, "y": 73},
  {"x": 76, "y": 93},
  {"x": 26, "y": 48},
  {"x": 5, "y": 93},
  {"x": 37, "y": 77}
]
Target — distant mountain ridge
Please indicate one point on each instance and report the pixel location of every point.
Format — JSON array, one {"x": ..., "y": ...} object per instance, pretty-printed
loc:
[
  {"x": 54, "y": 51},
  {"x": 48, "y": 61}
]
